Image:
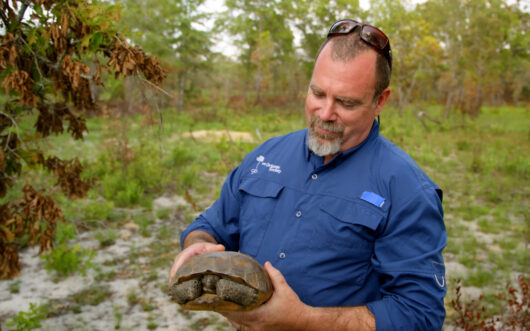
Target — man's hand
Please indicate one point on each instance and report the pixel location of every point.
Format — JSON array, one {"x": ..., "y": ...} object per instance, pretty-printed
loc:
[
  {"x": 194, "y": 247},
  {"x": 283, "y": 311}
]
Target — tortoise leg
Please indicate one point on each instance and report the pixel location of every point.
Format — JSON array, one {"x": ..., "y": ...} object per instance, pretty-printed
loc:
[
  {"x": 235, "y": 292},
  {"x": 186, "y": 291}
]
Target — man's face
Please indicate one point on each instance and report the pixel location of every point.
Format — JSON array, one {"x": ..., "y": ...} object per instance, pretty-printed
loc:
[{"x": 339, "y": 105}]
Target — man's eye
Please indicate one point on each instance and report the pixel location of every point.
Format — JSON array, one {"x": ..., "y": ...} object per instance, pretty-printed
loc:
[{"x": 318, "y": 94}]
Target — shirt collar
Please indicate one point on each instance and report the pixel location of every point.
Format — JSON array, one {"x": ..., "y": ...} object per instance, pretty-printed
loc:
[{"x": 371, "y": 136}]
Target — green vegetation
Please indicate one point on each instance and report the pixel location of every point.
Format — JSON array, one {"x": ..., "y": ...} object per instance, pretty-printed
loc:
[
  {"x": 482, "y": 166},
  {"x": 28, "y": 320},
  {"x": 94, "y": 295},
  {"x": 66, "y": 260}
]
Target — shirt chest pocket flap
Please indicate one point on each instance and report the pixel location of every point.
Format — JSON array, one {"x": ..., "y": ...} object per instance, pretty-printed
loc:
[
  {"x": 260, "y": 188},
  {"x": 352, "y": 223}
]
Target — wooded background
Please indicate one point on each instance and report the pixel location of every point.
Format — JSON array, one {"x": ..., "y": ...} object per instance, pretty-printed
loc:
[{"x": 459, "y": 53}]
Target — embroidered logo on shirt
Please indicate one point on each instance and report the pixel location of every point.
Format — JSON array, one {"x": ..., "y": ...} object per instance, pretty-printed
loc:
[{"x": 272, "y": 167}]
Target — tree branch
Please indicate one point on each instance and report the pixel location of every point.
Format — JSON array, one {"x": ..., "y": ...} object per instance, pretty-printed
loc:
[
  {"x": 22, "y": 12},
  {"x": 4, "y": 19},
  {"x": 151, "y": 83},
  {"x": 9, "y": 134},
  {"x": 34, "y": 57}
]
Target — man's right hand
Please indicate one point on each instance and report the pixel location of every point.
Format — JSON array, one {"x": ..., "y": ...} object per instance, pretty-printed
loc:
[{"x": 192, "y": 250}]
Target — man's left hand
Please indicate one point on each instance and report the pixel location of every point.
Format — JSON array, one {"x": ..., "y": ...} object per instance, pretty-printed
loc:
[{"x": 283, "y": 311}]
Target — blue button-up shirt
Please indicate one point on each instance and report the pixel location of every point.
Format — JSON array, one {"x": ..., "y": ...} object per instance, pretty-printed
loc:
[{"x": 365, "y": 228}]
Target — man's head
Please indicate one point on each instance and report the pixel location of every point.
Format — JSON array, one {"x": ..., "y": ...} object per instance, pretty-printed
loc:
[{"x": 348, "y": 89}]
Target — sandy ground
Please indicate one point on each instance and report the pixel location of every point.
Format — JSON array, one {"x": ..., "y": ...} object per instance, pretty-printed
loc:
[{"x": 131, "y": 291}]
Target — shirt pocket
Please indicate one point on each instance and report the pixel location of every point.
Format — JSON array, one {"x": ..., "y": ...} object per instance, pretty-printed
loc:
[
  {"x": 347, "y": 224},
  {"x": 258, "y": 202}
]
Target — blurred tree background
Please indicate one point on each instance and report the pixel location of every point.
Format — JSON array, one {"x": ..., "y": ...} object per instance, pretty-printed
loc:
[{"x": 462, "y": 54}]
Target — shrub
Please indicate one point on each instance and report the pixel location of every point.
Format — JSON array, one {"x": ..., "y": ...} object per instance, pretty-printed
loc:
[
  {"x": 66, "y": 260},
  {"x": 513, "y": 314},
  {"x": 28, "y": 320}
]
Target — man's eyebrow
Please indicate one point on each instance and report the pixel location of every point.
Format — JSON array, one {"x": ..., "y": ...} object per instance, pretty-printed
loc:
[
  {"x": 315, "y": 88},
  {"x": 349, "y": 101},
  {"x": 344, "y": 100}
]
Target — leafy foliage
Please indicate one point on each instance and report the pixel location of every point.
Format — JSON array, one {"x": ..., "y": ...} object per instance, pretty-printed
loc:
[
  {"x": 514, "y": 313},
  {"x": 28, "y": 320},
  {"x": 34, "y": 216},
  {"x": 66, "y": 260},
  {"x": 50, "y": 62}
]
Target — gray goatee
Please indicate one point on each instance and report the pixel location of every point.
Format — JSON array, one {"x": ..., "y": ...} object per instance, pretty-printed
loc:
[{"x": 323, "y": 145}]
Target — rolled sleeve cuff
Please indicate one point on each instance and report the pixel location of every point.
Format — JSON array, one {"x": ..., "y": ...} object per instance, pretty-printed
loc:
[
  {"x": 197, "y": 225},
  {"x": 391, "y": 315},
  {"x": 381, "y": 315}
]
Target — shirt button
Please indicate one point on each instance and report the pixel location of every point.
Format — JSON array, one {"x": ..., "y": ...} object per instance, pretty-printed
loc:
[
  {"x": 298, "y": 213},
  {"x": 282, "y": 255},
  {"x": 315, "y": 176}
]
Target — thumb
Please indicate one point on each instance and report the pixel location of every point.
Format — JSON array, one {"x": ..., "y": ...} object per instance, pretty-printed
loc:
[{"x": 275, "y": 275}]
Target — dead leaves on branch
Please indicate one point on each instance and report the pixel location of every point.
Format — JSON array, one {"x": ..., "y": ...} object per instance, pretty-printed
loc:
[
  {"x": 21, "y": 82},
  {"x": 8, "y": 51},
  {"x": 10, "y": 162},
  {"x": 34, "y": 216},
  {"x": 129, "y": 61},
  {"x": 52, "y": 67},
  {"x": 47, "y": 3},
  {"x": 68, "y": 175},
  {"x": 72, "y": 80},
  {"x": 51, "y": 120}
]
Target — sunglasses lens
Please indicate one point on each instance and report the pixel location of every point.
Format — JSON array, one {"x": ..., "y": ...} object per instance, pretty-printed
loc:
[
  {"x": 343, "y": 27},
  {"x": 374, "y": 36},
  {"x": 370, "y": 34}
]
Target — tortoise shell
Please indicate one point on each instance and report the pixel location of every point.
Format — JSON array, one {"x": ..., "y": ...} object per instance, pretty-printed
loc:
[{"x": 225, "y": 281}]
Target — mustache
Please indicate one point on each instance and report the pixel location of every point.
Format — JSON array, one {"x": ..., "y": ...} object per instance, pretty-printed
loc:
[{"x": 326, "y": 125}]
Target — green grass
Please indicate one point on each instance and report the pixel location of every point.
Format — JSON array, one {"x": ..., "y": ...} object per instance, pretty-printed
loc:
[{"x": 482, "y": 164}]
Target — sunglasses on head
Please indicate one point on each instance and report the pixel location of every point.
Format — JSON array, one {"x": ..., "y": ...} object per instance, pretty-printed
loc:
[{"x": 369, "y": 34}]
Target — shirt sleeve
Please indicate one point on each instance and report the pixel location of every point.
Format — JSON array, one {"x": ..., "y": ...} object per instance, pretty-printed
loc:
[
  {"x": 221, "y": 220},
  {"x": 408, "y": 260}
]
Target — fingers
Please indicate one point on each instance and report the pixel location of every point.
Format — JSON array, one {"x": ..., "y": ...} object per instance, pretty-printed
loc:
[
  {"x": 187, "y": 253},
  {"x": 275, "y": 275},
  {"x": 215, "y": 248}
]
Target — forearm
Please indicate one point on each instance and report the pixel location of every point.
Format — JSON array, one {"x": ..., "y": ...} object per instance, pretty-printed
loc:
[
  {"x": 198, "y": 236},
  {"x": 338, "y": 318},
  {"x": 285, "y": 311}
]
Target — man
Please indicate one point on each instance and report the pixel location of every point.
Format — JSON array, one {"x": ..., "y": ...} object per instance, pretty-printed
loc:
[{"x": 353, "y": 227}]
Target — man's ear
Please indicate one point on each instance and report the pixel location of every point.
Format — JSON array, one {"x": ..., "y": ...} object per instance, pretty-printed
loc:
[{"x": 381, "y": 100}]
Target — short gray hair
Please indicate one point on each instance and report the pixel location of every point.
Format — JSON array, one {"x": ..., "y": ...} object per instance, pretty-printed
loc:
[{"x": 346, "y": 47}]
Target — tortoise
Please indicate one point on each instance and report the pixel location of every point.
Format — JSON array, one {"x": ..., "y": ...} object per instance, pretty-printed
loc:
[{"x": 225, "y": 281}]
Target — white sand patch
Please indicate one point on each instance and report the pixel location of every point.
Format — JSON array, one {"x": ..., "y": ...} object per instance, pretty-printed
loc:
[
  {"x": 455, "y": 270},
  {"x": 129, "y": 263},
  {"x": 36, "y": 285},
  {"x": 216, "y": 135},
  {"x": 172, "y": 202}
]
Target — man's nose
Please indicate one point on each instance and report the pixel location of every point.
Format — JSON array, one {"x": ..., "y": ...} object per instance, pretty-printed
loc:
[{"x": 327, "y": 112}]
